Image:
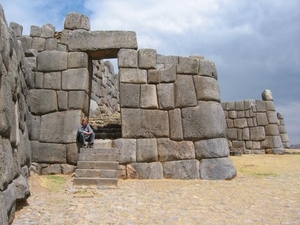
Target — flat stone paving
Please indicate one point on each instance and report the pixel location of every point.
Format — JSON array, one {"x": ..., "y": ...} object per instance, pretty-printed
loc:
[{"x": 266, "y": 191}]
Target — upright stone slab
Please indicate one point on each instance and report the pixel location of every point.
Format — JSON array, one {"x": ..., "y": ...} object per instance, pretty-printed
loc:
[{"x": 217, "y": 169}]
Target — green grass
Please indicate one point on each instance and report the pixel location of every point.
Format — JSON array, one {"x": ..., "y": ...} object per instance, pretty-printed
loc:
[{"x": 53, "y": 182}]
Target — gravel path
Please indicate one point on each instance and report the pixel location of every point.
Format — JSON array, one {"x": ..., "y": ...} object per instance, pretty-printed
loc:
[{"x": 266, "y": 191}]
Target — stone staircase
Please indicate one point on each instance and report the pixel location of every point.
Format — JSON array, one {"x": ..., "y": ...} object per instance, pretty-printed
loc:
[{"x": 97, "y": 166}]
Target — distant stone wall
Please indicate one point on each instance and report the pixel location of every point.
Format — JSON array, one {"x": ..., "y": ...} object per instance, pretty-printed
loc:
[
  {"x": 173, "y": 125},
  {"x": 253, "y": 126},
  {"x": 15, "y": 119}
]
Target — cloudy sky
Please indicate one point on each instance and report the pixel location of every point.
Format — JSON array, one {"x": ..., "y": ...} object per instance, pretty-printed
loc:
[{"x": 255, "y": 44}]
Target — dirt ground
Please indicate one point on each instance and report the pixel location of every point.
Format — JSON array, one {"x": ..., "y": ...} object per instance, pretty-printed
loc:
[{"x": 266, "y": 191}]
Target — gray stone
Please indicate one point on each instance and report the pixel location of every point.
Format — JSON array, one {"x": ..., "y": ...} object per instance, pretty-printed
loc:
[
  {"x": 17, "y": 28},
  {"x": 277, "y": 143},
  {"x": 26, "y": 42},
  {"x": 14, "y": 134},
  {"x": 67, "y": 169},
  {"x": 78, "y": 100},
  {"x": 168, "y": 74},
  {"x": 145, "y": 171},
  {"x": 127, "y": 149},
  {"x": 31, "y": 53},
  {"x": 165, "y": 94},
  {"x": 34, "y": 133},
  {"x": 60, "y": 127},
  {"x": 187, "y": 65},
  {"x": 270, "y": 105},
  {"x": 207, "y": 88},
  {"x": 272, "y": 130},
  {"x": 135, "y": 76},
  {"x": 38, "y": 80},
  {"x": 146, "y": 150},
  {"x": 267, "y": 142},
  {"x": 279, "y": 115},
  {"x": 246, "y": 134},
  {"x": 31, "y": 61},
  {"x": 257, "y": 133},
  {"x": 51, "y": 44},
  {"x": 211, "y": 148},
  {"x": 75, "y": 21},
  {"x": 196, "y": 128},
  {"x": 62, "y": 100},
  {"x": 185, "y": 94},
  {"x": 154, "y": 76},
  {"x": 148, "y": 98},
  {"x": 229, "y": 123},
  {"x": 48, "y": 152},
  {"x": 51, "y": 169},
  {"x": 52, "y": 80},
  {"x": 6, "y": 163},
  {"x": 48, "y": 61},
  {"x": 47, "y": 31},
  {"x": 42, "y": 101},
  {"x": 24, "y": 149},
  {"x": 240, "y": 123},
  {"x": 261, "y": 106},
  {"x": 3, "y": 213},
  {"x": 35, "y": 31},
  {"x": 130, "y": 95},
  {"x": 267, "y": 95},
  {"x": 10, "y": 200},
  {"x": 75, "y": 79},
  {"x": 248, "y": 104},
  {"x": 162, "y": 59},
  {"x": 172, "y": 150},
  {"x": 134, "y": 124},
  {"x": 261, "y": 119},
  {"x": 95, "y": 42},
  {"x": 207, "y": 68},
  {"x": 128, "y": 58},
  {"x": 183, "y": 169},
  {"x": 38, "y": 44},
  {"x": 284, "y": 137},
  {"x": 230, "y": 106},
  {"x": 217, "y": 169},
  {"x": 94, "y": 109},
  {"x": 6, "y": 107},
  {"x": 21, "y": 187},
  {"x": 77, "y": 60},
  {"x": 232, "y": 114},
  {"x": 72, "y": 153},
  {"x": 176, "y": 132},
  {"x": 239, "y": 106},
  {"x": 147, "y": 58},
  {"x": 272, "y": 117},
  {"x": 122, "y": 172}
]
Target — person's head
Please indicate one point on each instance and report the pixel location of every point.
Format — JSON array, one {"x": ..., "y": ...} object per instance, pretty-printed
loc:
[{"x": 84, "y": 121}]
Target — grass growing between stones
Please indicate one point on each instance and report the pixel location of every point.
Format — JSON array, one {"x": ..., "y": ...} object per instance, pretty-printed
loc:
[
  {"x": 261, "y": 166},
  {"x": 53, "y": 183}
]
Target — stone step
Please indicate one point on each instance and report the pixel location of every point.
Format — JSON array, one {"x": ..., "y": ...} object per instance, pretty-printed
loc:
[
  {"x": 96, "y": 173},
  {"x": 88, "y": 181},
  {"x": 103, "y": 143},
  {"x": 99, "y": 150},
  {"x": 99, "y": 157},
  {"x": 109, "y": 165}
]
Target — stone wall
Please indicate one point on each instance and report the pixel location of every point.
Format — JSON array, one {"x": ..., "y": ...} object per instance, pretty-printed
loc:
[
  {"x": 15, "y": 82},
  {"x": 253, "y": 126},
  {"x": 173, "y": 125}
]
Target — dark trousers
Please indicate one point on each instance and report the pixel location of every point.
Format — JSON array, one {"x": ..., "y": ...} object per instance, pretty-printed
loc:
[{"x": 82, "y": 138}]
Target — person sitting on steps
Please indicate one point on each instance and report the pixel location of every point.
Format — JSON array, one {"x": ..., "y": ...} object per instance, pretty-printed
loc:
[{"x": 85, "y": 133}]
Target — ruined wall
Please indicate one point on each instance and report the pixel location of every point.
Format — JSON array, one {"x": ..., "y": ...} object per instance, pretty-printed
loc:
[
  {"x": 15, "y": 82},
  {"x": 173, "y": 125},
  {"x": 253, "y": 126},
  {"x": 105, "y": 89}
]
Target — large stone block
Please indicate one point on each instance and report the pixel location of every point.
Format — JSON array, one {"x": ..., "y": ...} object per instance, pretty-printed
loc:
[
  {"x": 79, "y": 100},
  {"x": 48, "y": 61},
  {"x": 75, "y": 79},
  {"x": 270, "y": 105},
  {"x": 272, "y": 130},
  {"x": 6, "y": 163},
  {"x": 187, "y": 65},
  {"x": 261, "y": 119},
  {"x": 138, "y": 123},
  {"x": 207, "y": 68},
  {"x": 76, "y": 20},
  {"x": 176, "y": 132},
  {"x": 261, "y": 106},
  {"x": 257, "y": 133},
  {"x": 146, "y": 150},
  {"x": 152, "y": 170},
  {"x": 24, "y": 150},
  {"x": 72, "y": 154},
  {"x": 162, "y": 59},
  {"x": 60, "y": 127},
  {"x": 48, "y": 152},
  {"x": 168, "y": 74},
  {"x": 134, "y": 76},
  {"x": 207, "y": 88},
  {"x": 26, "y": 42},
  {"x": 10, "y": 201},
  {"x": 3, "y": 211},
  {"x": 240, "y": 123},
  {"x": 42, "y": 101},
  {"x": 17, "y": 28},
  {"x": 183, "y": 169},
  {"x": 35, "y": 31},
  {"x": 267, "y": 95},
  {"x": 94, "y": 42},
  {"x": 172, "y": 150},
  {"x": 211, "y": 148},
  {"x": 78, "y": 60},
  {"x": 38, "y": 43},
  {"x": 47, "y": 31},
  {"x": 51, "y": 44},
  {"x": 217, "y": 169},
  {"x": 130, "y": 95},
  {"x": 62, "y": 100},
  {"x": 6, "y": 107},
  {"x": 148, "y": 98},
  {"x": 147, "y": 58},
  {"x": 272, "y": 117},
  {"x": 204, "y": 121},
  {"x": 127, "y": 149},
  {"x": 21, "y": 188},
  {"x": 165, "y": 94},
  {"x": 154, "y": 76},
  {"x": 185, "y": 94},
  {"x": 52, "y": 80},
  {"x": 128, "y": 58}
]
